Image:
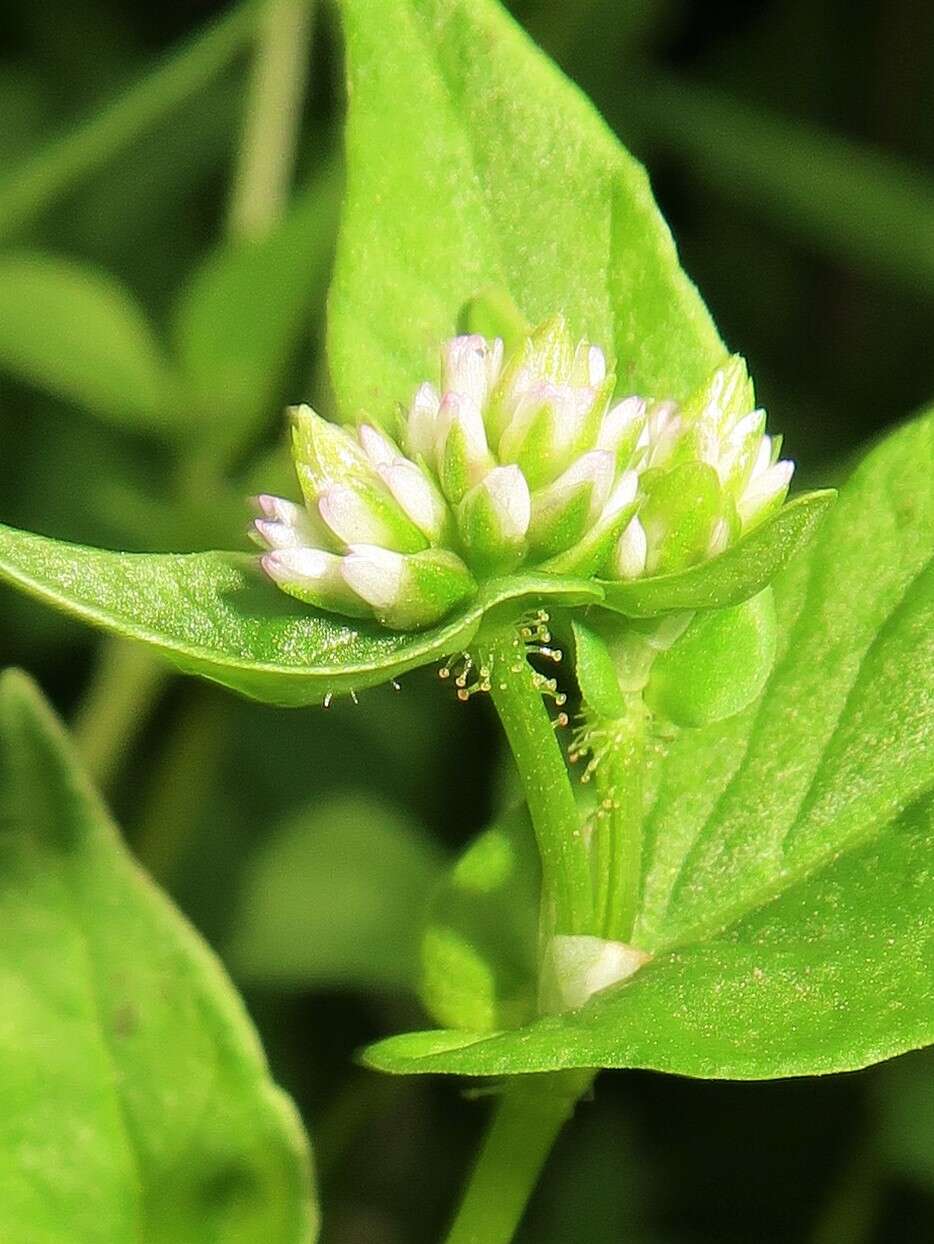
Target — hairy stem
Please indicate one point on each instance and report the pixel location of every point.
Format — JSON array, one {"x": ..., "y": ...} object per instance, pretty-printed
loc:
[
  {"x": 618, "y": 825},
  {"x": 529, "y": 1116},
  {"x": 567, "y": 900},
  {"x": 271, "y": 119}
]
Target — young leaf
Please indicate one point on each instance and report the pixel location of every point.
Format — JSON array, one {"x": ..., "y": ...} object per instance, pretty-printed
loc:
[
  {"x": 742, "y": 571},
  {"x": 335, "y": 898},
  {"x": 137, "y": 1103},
  {"x": 215, "y": 615},
  {"x": 491, "y": 170},
  {"x": 238, "y": 320},
  {"x": 786, "y": 897},
  {"x": 76, "y": 332}
]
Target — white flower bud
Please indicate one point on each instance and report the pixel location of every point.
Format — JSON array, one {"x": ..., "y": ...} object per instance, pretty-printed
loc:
[
  {"x": 377, "y": 446},
  {"x": 629, "y": 556},
  {"x": 365, "y": 515},
  {"x": 408, "y": 591},
  {"x": 376, "y": 574},
  {"x": 470, "y": 367},
  {"x": 421, "y": 425},
  {"x": 763, "y": 493},
  {"x": 563, "y": 511},
  {"x": 494, "y": 517},
  {"x": 418, "y": 497},
  {"x": 314, "y": 577}
]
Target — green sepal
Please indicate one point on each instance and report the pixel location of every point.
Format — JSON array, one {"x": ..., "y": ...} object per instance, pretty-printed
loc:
[
  {"x": 493, "y": 313},
  {"x": 679, "y": 514}
]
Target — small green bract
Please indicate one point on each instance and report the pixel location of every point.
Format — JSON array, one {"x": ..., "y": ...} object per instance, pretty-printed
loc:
[{"x": 524, "y": 459}]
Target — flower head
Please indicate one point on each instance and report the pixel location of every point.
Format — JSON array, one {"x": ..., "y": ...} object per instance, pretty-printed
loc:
[{"x": 517, "y": 461}]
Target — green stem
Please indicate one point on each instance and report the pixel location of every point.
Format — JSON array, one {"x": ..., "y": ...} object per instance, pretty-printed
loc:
[
  {"x": 31, "y": 186},
  {"x": 271, "y": 119},
  {"x": 124, "y": 686},
  {"x": 567, "y": 901},
  {"x": 618, "y": 827},
  {"x": 529, "y": 1116}
]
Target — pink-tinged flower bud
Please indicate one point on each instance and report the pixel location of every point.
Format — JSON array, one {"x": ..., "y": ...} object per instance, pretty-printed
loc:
[
  {"x": 407, "y": 592},
  {"x": 364, "y": 514},
  {"x": 493, "y": 520},
  {"x": 314, "y": 577}
]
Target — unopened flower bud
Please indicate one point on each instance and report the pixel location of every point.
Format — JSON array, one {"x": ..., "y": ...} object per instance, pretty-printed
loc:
[
  {"x": 493, "y": 519},
  {"x": 366, "y": 514},
  {"x": 563, "y": 511},
  {"x": 314, "y": 577},
  {"x": 407, "y": 592}
]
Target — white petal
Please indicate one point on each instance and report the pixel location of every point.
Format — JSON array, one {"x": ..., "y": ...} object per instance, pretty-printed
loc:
[
  {"x": 631, "y": 549},
  {"x": 510, "y": 496},
  {"x": 421, "y": 427},
  {"x": 275, "y": 535},
  {"x": 464, "y": 368},
  {"x": 623, "y": 494},
  {"x": 619, "y": 421},
  {"x": 376, "y": 445},
  {"x": 416, "y": 495},
  {"x": 349, "y": 517},
  {"x": 455, "y": 408},
  {"x": 763, "y": 489},
  {"x": 596, "y": 366},
  {"x": 375, "y": 574},
  {"x": 597, "y": 468},
  {"x": 287, "y": 514},
  {"x": 301, "y": 567}
]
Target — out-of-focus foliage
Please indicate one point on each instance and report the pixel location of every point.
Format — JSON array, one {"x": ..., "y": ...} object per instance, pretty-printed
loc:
[{"x": 789, "y": 149}]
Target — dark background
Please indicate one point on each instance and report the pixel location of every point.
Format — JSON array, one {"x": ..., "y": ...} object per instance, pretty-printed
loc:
[{"x": 790, "y": 145}]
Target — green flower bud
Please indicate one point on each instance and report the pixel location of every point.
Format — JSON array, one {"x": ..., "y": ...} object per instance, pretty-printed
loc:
[
  {"x": 407, "y": 592},
  {"x": 718, "y": 666},
  {"x": 493, "y": 520}
]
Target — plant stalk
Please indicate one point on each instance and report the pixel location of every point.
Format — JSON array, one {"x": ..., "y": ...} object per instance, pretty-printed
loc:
[
  {"x": 124, "y": 687},
  {"x": 567, "y": 899},
  {"x": 618, "y": 827},
  {"x": 271, "y": 119},
  {"x": 529, "y": 1116}
]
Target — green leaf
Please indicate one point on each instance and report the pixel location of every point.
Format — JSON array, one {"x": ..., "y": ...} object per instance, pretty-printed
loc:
[
  {"x": 237, "y": 322},
  {"x": 833, "y": 975},
  {"x": 76, "y": 332},
  {"x": 216, "y": 615},
  {"x": 491, "y": 169},
  {"x": 335, "y": 898},
  {"x": 786, "y": 890},
  {"x": 137, "y": 1102},
  {"x": 734, "y": 576}
]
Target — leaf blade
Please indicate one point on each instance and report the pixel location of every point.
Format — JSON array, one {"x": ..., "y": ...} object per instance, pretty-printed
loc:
[
  {"x": 453, "y": 210},
  {"x": 166, "y": 1123},
  {"x": 215, "y": 615}
]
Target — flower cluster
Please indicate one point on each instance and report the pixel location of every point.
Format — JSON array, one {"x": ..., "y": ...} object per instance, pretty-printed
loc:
[{"x": 518, "y": 461}]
